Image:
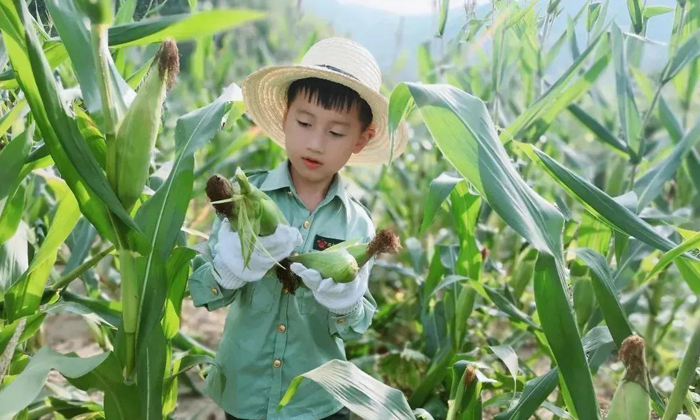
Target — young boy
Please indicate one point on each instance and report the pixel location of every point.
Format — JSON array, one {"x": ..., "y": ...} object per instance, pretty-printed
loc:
[{"x": 327, "y": 112}]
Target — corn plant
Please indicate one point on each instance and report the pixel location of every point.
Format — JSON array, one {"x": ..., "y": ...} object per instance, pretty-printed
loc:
[
  {"x": 92, "y": 154},
  {"x": 547, "y": 215}
]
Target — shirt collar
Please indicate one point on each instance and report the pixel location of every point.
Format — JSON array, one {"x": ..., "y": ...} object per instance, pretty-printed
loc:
[{"x": 280, "y": 177}]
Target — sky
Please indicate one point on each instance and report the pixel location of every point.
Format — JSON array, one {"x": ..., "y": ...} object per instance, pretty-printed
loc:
[{"x": 404, "y": 7}]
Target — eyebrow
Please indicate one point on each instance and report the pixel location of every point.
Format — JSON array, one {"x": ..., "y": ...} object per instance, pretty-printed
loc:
[{"x": 302, "y": 111}]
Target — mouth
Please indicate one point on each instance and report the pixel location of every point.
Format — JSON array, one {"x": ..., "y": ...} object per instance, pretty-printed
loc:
[{"x": 311, "y": 163}]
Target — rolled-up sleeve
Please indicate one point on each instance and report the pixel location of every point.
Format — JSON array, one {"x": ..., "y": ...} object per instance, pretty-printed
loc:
[{"x": 204, "y": 289}]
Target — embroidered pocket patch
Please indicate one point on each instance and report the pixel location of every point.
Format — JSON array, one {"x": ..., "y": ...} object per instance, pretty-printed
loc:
[{"x": 322, "y": 242}]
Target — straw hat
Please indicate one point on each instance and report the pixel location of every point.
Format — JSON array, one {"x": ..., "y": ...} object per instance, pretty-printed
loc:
[{"x": 339, "y": 60}]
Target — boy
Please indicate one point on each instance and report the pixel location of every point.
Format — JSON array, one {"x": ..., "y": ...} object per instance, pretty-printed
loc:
[{"x": 327, "y": 112}]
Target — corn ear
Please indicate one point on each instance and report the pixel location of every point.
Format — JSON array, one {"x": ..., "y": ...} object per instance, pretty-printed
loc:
[
  {"x": 631, "y": 400},
  {"x": 266, "y": 212},
  {"x": 340, "y": 266},
  {"x": 129, "y": 155}
]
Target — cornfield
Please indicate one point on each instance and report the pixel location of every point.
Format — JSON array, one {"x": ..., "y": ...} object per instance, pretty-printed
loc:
[{"x": 547, "y": 215}]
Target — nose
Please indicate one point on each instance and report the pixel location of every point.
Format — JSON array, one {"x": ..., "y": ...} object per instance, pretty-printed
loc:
[{"x": 316, "y": 142}]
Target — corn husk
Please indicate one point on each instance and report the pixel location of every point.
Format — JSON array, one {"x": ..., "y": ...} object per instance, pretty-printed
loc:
[
  {"x": 129, "y": 155},
  {"x": 250, "y": 211},
  {"x": 343, "y": 266},
  {"x": 631, "y": 400}
]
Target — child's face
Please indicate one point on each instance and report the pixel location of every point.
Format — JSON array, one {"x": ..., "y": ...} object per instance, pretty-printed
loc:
[{"x": 319, "y": 141}]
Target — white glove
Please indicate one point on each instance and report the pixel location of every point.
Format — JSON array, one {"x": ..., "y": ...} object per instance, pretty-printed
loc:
[
  {"x": 339, "y": 298},
  {"x": 228, "y": 259}
]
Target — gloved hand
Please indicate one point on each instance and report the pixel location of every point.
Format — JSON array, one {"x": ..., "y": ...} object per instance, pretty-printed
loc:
[
  {"x": 228, "y": 259},
  {"x": 339, "y": 298}
]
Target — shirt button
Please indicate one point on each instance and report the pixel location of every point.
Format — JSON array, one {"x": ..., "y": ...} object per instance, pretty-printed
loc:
[
  {"x": 307, "y": 224},
  {"x": 214, "y": 291},
  {"x": 341, "y": 320},
  {"x": 277, "y": 363},
  {"x": 281, "y": 328}
]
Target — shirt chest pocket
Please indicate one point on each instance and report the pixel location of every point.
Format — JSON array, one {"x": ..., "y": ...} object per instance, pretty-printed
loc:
[{"x": 265, "y": 293}]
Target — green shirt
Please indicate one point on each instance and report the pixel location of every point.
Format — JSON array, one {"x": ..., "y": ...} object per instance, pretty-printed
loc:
[{"x": 272, "y": 336}]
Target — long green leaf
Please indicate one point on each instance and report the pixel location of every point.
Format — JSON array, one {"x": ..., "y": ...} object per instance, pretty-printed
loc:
[
  {"x": 686, "y": 54},
  {"x": 444, "y": 10},
  {"x": 14, "y": 39},
  {"x": 627, "y": 106},
  {"x": 11, "y": 116},
  {"x": 651, "y": 184},
  {"x": 76, "y": 37},
  {"x": 596, "y": 201},
  {"x": 461, "y": 127},
  {"x": 537, "y": 108},
  {"x": 180, "y": 27},
  {"x": 12, "y": 160},
  {"x": 67, "y": 130},
  {"x": 439, "y": 190},
  {"x": 687, "y": 245},
  {"x": 162, "y": 216},
  {"x": 534, "y": 394},
  {"x": 635, "y": 10},
  {"x": 361, "y": 393},
  {"x": 28, "y": 384},
  {"x": 24, "y": 296},
  {"x": 603, "y": 285},
  {"x": 601, "y": 132},
  {"x": 562, "y": 336}
]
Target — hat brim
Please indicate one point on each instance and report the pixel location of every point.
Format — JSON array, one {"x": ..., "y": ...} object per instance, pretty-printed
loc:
[{"x": 265, "y": 98}]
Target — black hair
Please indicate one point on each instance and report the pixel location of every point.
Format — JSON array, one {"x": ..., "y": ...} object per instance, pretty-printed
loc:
[{"x": 332, "y": 96}]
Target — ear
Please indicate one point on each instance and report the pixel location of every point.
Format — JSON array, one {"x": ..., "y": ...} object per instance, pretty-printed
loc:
[{"x": 364, "y": 139}]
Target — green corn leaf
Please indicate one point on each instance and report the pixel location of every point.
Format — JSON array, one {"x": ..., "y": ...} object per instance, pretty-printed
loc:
[
  {"x": 606, "y": 296},
  {"x": 121, "y": 401},
  {"x": 444, "y": 10},
  {"x": 686, "y": 54},
  {"x": 440, "y": 189},
  {"x": 76, "y": 38},
  {"x": 635, "y": 10},
  {"x": 542, "y": 104},
  {"x": 627, "y": 106},
  {"x": 11, "y": 214},
  {"x": 24, "y": 296},
  {"x": 27, "y": 385},
  {"x": 688, "y": 244},
  {"x": 534, "y": 394},
  {"x": 70, "y": 153},
  {"x": 562, "y": 336},
  {"x": 596, "y": 201},
  {"x": 651, "y": 184},
  {"x": 592, "y": 15},
  {"x": 599, "y": 130},
  {"x": 675, "y": 131},
  {"x": 162, "y": 216},
  {"x": 12, "y": 161},
  {"x": 180, "y": 27},
  {"x": 594, "y": 234},
  {"x": 11, "y": 116},
  {"x": 361, "y": 393},
  {"x": 461, "y": 127}
]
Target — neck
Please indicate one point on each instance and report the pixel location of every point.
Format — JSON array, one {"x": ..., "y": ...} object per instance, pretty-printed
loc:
[{"x": 310, "y": 192}]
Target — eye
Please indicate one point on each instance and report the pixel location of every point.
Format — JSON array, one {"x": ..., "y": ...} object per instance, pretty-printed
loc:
[
  {"x": 303, "y": 124},
  {"x": 334, "y": 134}
]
